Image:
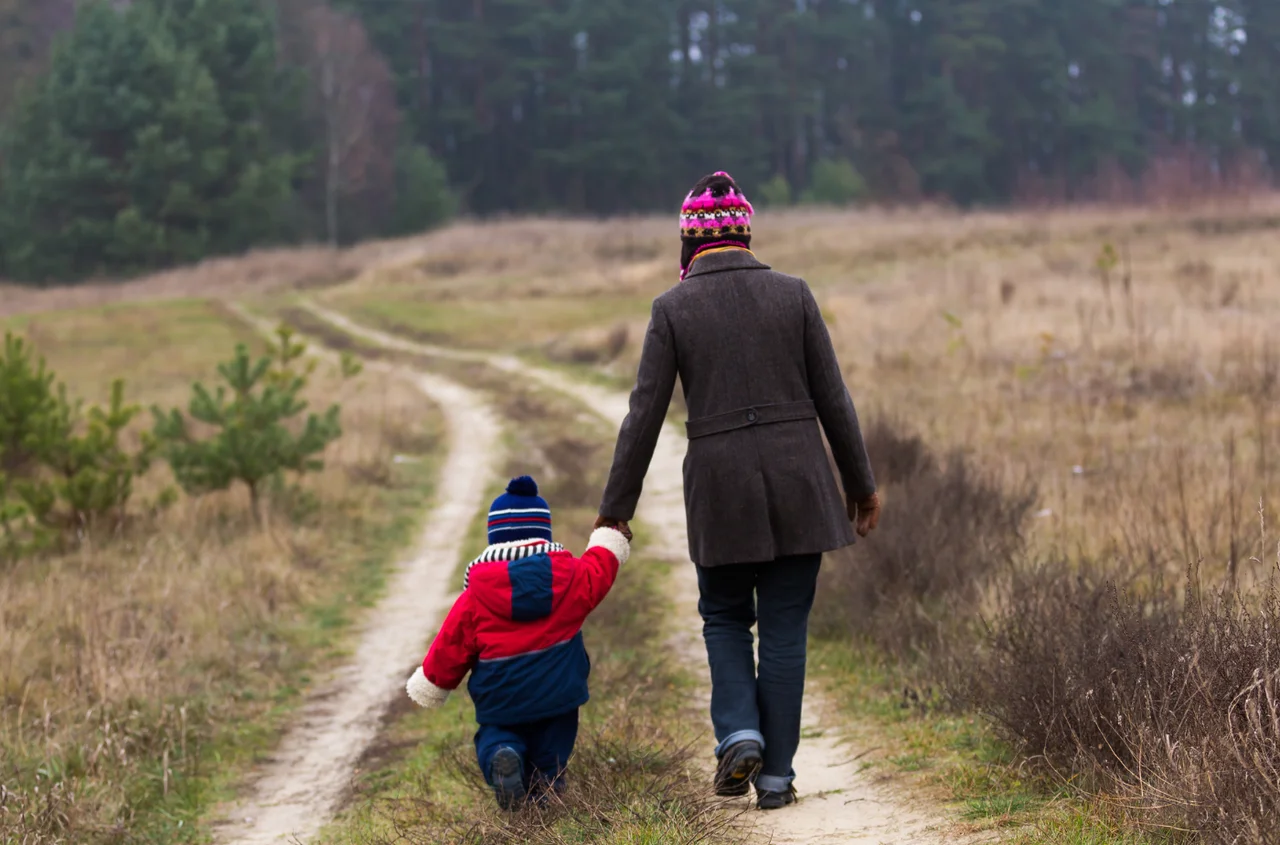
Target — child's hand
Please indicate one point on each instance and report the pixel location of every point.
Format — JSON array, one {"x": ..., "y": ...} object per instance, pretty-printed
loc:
[
  {"x": 618, "y": 525},
  {"x": 423, "y": 692}
]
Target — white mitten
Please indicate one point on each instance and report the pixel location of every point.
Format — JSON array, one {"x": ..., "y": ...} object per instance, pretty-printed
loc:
[
  {"x": 423, "y": 692},
  {"x": 613, "y": 540}
]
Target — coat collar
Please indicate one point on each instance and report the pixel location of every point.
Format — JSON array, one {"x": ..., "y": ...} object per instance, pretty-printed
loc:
[{"x": 719, "y": 262}]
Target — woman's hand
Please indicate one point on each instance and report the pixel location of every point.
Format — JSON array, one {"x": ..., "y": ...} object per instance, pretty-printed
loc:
[
  {"x": 865, "y": 515},
  {"x": 619, "y": 525}
]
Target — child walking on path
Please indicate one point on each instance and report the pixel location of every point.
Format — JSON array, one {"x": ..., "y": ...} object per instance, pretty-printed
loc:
[{"x": 517, "y": 628}]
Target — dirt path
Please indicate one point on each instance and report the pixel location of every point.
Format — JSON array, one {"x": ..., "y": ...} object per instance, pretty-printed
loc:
[
  {"x": 839, "y": 804},
  {"x": 296, "y": 792}
]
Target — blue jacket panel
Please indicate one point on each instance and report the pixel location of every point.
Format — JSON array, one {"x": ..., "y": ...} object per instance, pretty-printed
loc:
[{"x": 532, "y": 686}]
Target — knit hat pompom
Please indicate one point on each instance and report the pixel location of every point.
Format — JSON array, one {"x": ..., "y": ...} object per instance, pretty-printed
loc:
[
  {"x": 519, "y": 514},
  {"x": 523, "y": 486},
  {"x": 715, "y": 213}
]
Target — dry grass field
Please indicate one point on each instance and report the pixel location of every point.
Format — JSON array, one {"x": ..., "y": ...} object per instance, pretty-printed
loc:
[
  {"x": 1132, "y": 391},
  {"x": 1117, "y": 367},
  {"x": 139, "y": 668}
]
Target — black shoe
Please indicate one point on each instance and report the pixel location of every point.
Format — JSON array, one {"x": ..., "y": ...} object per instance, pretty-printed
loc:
[
  {"x": 738, "y": 767},
  {"x": 506, "y": 773},
  {"x": 766, "y": 800}
]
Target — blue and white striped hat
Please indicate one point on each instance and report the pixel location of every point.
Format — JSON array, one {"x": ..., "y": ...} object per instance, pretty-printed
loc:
[{"x": 519, "y": 514}]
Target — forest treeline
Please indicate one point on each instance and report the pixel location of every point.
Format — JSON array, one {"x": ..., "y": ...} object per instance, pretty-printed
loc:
[{"x": 145, "y": 133}]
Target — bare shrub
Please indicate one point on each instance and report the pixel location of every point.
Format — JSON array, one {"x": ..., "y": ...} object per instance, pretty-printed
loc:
[
  {"x": 1166, "y": 702},
  {"x": 591, "y": 346},
  {"x": 948, "y": 530}
]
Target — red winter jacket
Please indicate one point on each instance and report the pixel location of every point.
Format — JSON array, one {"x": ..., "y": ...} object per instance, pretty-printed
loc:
[{"x": 517, "y": 628}]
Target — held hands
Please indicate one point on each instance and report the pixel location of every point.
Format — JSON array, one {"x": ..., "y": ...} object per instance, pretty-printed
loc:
[
  {"x": 865, "y": 515},
  {"x": 618, "y": 524}
]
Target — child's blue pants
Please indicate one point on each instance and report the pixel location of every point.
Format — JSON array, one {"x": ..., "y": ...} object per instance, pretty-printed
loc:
[{"x": 544, "y": 746}]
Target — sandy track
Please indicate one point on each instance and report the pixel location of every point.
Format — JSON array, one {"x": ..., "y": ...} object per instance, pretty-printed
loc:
[
  {"x": 297, "y": 791},
  {"x": 839, "y": 804}
]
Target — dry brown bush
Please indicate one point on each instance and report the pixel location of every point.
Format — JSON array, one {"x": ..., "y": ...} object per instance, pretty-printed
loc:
[
  {"x": 1163, "y": 704},
  {"x": 914, "y": 584}
]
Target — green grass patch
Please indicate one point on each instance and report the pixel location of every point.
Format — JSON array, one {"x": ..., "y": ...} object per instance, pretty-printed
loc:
[
  {"x": 911, "y": 761},
  {"x": 155, "y": 347},
  {"x": 504, "y": 323},
  {"x": 1001, "y": 808}
]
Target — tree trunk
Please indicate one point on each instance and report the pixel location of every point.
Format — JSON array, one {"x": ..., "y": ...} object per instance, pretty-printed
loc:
[
  {"x": 713, "y": 43},
  {"x": 686, "y": 71},
  {"x": 422, "y": 61},
  {"x": 255, "y": 503},
  {"x": 480, "y": 104},
  {"x": 331, "y": 192},
  {"x": 333, "y": 172}
]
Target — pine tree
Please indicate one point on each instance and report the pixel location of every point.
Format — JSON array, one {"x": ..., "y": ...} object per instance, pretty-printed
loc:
[
  {"x": 131, "y": 153},
  {"x": 92, "y": 472},
  {"x": 1259, "y": 70},
  {"x": 537, "y": 105},
  {"x": 27, "y": 30},
  {"x": 251, "y": 415},
  {"x": 60, "y": 467},
  {"x": 111, "y": 162},
  {"x": 423, "y": 196},
  {"x": 28, "y": 400},
  {"x": 235, "y": 42}
]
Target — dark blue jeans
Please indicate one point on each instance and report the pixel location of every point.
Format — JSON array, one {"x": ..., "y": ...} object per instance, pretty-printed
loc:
[
  {"x": 749, "y": 703},
  {"x": 545, "y": 746}
]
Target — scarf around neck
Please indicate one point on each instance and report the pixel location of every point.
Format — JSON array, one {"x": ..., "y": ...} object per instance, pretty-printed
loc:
[
  {"x": 712, "y": 249},
  {"x": 511, "y": 551}
]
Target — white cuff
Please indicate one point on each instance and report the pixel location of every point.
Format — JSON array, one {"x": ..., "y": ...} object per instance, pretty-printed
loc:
[
  {"x": 423, "y": 692},
  {"x": 613, "y": 540}
]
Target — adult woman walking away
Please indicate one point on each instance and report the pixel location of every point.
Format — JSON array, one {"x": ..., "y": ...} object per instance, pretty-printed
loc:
[{"x": 759, "y": 373}]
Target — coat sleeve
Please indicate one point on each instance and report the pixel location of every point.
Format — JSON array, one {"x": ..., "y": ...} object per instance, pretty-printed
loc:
[
  {"x": 597, "y": 569},
  {"x": 655, "y": 382},
  {"x": 450, "y": 657},
  {"x": 834, "y": 404}
]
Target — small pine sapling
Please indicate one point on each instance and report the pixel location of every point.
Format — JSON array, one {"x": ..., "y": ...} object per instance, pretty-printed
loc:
[
  {"x": 93, "y": 473},
  {"x": 27, "y": 401},
  {"x": 26, "y": 396},
  {"x": 251, "y": 440},
  {"x": 60, "y": 468},
  {"x": 19, "y": 533}
]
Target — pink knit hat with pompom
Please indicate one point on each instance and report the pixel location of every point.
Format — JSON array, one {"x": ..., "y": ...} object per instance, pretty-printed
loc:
[{"x": 715, "y": 213}]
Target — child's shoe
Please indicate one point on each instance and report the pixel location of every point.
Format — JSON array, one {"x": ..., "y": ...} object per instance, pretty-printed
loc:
[{"x": 506, "y": 773}]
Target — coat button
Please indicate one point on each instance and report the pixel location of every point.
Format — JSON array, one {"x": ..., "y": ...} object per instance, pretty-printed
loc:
[{"x": 752, "y": 416}]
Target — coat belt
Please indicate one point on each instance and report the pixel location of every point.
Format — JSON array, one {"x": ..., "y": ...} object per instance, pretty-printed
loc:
[{"x": 747, "y": 417}]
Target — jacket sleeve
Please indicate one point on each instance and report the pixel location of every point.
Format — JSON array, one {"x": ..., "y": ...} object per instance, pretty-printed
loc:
[
  {"x": 450, "y": 657},
  {"x": 655, "y": 382},
  {"x": 597, "y": 569},
  {"x": 834, "y": 404}
]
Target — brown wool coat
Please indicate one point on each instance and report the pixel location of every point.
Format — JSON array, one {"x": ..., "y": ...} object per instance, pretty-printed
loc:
[{"x": 759, "y": 373}]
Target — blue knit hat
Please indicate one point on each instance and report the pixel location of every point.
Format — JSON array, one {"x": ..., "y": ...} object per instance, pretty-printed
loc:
[{"x": 519, "y": 514}]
